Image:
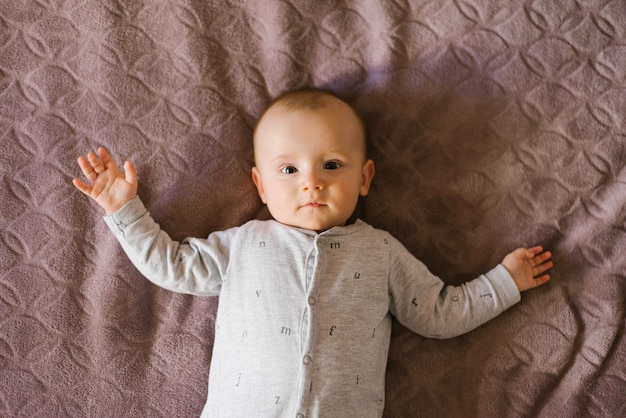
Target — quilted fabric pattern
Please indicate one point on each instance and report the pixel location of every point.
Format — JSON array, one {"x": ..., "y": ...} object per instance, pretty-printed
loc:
[{"x": 493, "y": 125}]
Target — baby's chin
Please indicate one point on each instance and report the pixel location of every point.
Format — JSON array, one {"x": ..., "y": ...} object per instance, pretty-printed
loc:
[{"x": 318, "y": 227}]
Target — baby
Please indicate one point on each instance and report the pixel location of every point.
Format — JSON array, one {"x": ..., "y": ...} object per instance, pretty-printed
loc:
[{"x": 304, "y": 317}]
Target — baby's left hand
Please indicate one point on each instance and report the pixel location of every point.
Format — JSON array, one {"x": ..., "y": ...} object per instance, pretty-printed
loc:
[{"x": 527, "y": 267}]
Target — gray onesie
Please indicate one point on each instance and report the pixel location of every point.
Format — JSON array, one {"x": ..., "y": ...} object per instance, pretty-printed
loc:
[{"x": 303, "y": 322}]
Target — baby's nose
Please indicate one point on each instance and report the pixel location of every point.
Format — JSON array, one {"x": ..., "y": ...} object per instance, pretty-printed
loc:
[{"x": 312, "y": 181}]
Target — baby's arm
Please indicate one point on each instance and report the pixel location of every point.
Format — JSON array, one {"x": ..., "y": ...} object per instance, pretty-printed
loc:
[
  {"x": 193, "y": 266},
  {"x": 527, "y": 267},
  {"x": 109, "y": 187},
  {"x": 425, "y": 304}
]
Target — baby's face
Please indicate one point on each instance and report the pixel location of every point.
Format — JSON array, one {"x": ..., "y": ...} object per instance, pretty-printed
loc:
[{"x": 311, "y": 165}]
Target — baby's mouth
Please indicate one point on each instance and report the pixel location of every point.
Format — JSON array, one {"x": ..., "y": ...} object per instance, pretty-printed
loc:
[{"x": 313, "y": 205}]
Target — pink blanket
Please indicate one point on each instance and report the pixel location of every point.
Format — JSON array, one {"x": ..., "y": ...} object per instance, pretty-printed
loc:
[{"x": 493, "y": 125}]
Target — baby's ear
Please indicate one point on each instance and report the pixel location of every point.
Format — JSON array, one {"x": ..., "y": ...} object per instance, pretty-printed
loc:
[
  {"x": 256, "y": 178},
  {"x": 366, "y": 177}
]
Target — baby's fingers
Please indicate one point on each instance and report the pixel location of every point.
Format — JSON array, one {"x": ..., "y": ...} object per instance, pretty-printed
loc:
[
  {"x": 538, "y": 281},
  {"x": 87, "y": 169},
  {"x": 83, "y": 187},
  {"x": 97, "y": 165},
  {"x": 107, "y": 161},
  {"x": 130, "y": 172},
  {"x": 541, "y": 258},
  {"x": 542, "y": 268},
  {"x": 532, "y": 252}
]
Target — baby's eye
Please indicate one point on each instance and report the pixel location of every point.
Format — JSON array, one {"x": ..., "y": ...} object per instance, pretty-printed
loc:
[
  {"x": 288, "y": 169},
  {"x": 332, "y": 165}
]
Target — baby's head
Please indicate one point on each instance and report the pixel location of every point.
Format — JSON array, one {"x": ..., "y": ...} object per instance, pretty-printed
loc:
[{"x": 311, "y": 161}]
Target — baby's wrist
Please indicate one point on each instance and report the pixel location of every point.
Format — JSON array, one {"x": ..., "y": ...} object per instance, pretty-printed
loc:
[{"x": 111, "y": 209}]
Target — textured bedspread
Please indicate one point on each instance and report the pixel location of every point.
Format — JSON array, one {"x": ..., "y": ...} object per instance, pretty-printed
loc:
[{"x": 493, "y": 124}]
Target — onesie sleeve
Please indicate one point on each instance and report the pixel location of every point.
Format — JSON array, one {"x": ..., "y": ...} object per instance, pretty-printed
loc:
[
  {"x": 194, "y": 266},
  {"x": 425, "y": 304}
]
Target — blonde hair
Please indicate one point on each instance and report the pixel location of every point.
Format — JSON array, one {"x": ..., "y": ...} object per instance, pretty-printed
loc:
[{"x": 309, "y": 99}]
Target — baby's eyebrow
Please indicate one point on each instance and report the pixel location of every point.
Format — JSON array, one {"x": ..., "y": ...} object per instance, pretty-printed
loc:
[
  {"x": 282, "y": 157},
  {"x": 339, "y": 155},
  {"x": 329, "y": 155}
]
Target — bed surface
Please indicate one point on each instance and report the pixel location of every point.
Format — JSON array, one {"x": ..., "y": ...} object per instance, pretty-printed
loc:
[{"x": 493, "y": 125}]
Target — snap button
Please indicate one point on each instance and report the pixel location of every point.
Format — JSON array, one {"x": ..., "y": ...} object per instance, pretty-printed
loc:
[
  {"x": 312, "y": 301},
  {"x": 307, "y": 359}
]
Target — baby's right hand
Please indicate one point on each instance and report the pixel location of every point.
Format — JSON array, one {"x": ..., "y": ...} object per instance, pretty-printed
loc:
[{"x": 109, "y": 187}]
